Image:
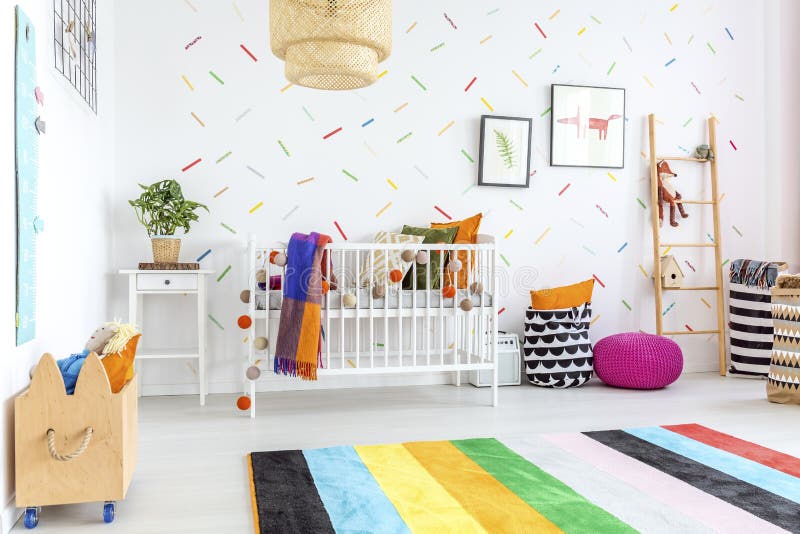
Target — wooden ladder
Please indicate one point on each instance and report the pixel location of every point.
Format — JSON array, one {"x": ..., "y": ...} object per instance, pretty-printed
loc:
[{"x": 716, "y": 245}]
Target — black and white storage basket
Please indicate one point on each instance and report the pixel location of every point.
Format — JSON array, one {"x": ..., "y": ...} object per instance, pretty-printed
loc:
[
  {"x": 750, "y": 316},
  {"x": 558, "y": 352}
]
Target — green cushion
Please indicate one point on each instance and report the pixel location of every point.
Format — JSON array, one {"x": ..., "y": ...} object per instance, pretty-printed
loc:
[{"x": 432, "y": 235}]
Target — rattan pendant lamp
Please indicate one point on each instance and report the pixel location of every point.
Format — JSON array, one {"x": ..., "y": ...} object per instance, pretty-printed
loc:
[{"x": 331, "y": 44}]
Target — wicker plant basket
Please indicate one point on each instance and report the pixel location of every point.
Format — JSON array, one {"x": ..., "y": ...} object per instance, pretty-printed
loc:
[{"x": 166, "y": 249}]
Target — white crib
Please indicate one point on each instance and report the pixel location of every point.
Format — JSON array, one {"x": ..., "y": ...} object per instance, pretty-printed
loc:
[{"x": 407, "y": 331}]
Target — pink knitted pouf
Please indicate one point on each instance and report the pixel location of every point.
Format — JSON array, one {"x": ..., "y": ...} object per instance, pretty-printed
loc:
[{"x": 637, "y": 361}]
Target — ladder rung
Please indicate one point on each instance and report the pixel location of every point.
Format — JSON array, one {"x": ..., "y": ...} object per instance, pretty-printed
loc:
[
  {"x": 681, "y": 158},
  {"x": 697, "y": 288},
  {"x": 688, "y": 244},
  {"x": 695, "y": 202},
  {"x": 682, "y": 332}
]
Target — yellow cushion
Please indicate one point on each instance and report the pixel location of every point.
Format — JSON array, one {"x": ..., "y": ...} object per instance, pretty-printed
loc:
[
  {"x": 119, "y": 366},
  {"x": 467, "y": 233},
  {"x": 563, "y": 297}
]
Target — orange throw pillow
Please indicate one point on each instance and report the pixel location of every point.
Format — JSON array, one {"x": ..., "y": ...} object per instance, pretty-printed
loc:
[
  {"x": 119, "y": 366},
  {"x": 563, "y": 297},
  {"x": 467, "y": 233}
]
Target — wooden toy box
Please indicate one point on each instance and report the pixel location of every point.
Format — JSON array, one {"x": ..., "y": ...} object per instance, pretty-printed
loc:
[{"x": 103, "y": 471}]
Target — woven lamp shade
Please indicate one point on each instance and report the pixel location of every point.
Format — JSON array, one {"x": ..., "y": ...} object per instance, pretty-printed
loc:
[{"x": 331, "y": 44}]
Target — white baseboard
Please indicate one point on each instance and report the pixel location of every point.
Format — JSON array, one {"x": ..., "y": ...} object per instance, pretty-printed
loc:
[{"x": 9, "y": 515}]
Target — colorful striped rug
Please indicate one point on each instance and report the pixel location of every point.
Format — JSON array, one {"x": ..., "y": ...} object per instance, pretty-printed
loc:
[{"x": 678, "y": 478}]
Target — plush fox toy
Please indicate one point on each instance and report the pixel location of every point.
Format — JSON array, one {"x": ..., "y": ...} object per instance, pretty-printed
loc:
[{"x": 668, "y": 193}]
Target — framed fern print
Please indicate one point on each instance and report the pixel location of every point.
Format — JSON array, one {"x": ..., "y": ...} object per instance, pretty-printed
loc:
[
  {"x": 587, "y": 126},
  {"x": 505, "y": 151}
]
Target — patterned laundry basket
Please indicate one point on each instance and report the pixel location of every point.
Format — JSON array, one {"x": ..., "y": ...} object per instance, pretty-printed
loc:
[
  {"x": 751, "y": 317},
  {"x": 558, "y": 352},
  {"x": 783, "y": 381}
]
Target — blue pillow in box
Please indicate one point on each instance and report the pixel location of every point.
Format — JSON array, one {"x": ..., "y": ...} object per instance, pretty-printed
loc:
[{"x": 70, "y": 368}]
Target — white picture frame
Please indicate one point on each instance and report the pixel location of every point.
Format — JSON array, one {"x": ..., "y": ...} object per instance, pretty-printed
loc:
[{"x": 587, "y": 126}]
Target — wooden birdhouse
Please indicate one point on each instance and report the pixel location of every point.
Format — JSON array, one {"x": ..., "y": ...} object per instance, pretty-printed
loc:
[{"x": 671, "y": 273}]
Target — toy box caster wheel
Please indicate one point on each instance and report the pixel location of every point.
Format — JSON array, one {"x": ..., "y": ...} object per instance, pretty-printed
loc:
[
  {"x": 108, "y": 511},
  {"x": 31, "y": 517}
]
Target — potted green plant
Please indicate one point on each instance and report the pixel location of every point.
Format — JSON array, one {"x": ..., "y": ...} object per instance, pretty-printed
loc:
[{"x": 162, "y": 209}]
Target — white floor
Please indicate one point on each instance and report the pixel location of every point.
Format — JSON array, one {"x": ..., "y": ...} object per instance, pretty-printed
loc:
[{"x": 192, "y": 476}]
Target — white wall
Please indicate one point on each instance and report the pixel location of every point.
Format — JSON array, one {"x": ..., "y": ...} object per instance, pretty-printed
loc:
[
  {"x": 75, "y": 183},
  {"x": 157, "y": 136},
  {"x": 782, "y": 116}
]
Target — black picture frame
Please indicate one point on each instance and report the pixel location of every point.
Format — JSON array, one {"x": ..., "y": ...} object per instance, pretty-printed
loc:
[
  {"x": 482, "y": 178},
  {"x": 553, "y": 119}
]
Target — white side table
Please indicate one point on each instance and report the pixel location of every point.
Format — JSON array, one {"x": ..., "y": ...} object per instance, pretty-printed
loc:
[{"x": 141, "y": 283}]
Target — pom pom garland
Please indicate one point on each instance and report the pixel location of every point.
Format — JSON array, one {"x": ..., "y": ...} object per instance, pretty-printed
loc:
[
  {"x": 243, "y": 403},
  {"x": 395, "y": 275},
  {"x": 407, "y": 255},
  {"x": 454, "y": 266},
  {"x": 260, "y": 343},
  {"x": 244, "y": 296},
  {"x": 422, "y": 257}
]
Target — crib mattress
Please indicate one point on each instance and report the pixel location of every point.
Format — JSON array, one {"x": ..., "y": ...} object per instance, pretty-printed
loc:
[{"x": 407, "y": 296}]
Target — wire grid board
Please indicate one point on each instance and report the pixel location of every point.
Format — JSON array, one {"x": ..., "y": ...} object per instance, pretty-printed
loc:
[
  {"x": 27, "y": 167},
  {"x": 74, "y": 39}
]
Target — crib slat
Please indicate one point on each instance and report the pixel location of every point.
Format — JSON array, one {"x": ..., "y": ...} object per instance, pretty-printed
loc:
[
  {"x": 481, "y": 341},
  {"x": 441, "y": 308},
  {"x": 251, "y": 309},
  {"x": 398, "y": 287},
  {"x": 254, "y": 333},
  {"x": 428, "y": 311},
  {"x": 469, "y": 331},
  {"x": 329, "y": 270},
  {"x": 485, "y": 321},
  {"x": 371, "y": 309},
  {"x": 456, "y": 323},
  {"x": 341, "y": 312},
  {"x": 386, "y": 336},
  {"x": 414, "y": 314},
  {"x": 326, "y": 298},
  {"x": 358, "y": 304},
  {"x": 494, "y": 308}
]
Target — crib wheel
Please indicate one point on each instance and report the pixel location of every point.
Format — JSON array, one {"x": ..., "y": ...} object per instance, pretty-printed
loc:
[
  {"x": 108, "y": 511},
  {"x": 31, "y": 517}
]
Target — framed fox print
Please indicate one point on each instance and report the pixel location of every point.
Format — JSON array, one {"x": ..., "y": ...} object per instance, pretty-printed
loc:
[
  {"x": 505, "y": 151},
  {"x": 587, "y": 126}
]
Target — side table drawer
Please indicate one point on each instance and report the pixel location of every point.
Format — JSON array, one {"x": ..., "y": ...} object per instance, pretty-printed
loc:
[{"x": 166, "y": 282}]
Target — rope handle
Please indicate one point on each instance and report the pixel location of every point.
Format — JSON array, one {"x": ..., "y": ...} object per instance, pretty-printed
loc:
[{"x": 51, "y": 445}]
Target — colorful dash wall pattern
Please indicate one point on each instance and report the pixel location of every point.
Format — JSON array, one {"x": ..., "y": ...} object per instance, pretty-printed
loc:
[{"x": 272, "y": 158}]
